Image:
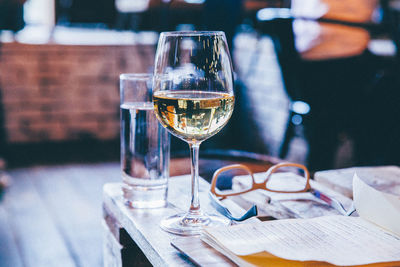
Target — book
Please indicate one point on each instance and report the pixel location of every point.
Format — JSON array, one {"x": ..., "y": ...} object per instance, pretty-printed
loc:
[{"x": 373, "y": 238}]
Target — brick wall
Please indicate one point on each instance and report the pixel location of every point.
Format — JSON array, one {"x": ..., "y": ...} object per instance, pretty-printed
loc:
[{"x": 57, "y": 93}]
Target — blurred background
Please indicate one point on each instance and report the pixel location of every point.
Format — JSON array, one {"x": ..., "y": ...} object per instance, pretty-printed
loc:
[{"x": 316, "y": 82}]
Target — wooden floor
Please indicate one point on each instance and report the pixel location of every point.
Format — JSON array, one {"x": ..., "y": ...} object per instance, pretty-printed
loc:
[{"x": 51, "y": 216}]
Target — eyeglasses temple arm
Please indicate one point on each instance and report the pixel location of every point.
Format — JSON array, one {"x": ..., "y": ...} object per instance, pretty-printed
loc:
[
  {"x": 333, "y": 202},
  {"x": 224, "y": 211}
]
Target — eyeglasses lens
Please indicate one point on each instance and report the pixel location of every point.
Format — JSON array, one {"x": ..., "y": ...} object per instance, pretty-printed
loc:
[
  {"x": 288, "y": 179},
  {"x": 234, "y": 180}
]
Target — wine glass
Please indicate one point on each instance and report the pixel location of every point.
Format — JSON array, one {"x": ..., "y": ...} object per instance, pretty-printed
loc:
[{"x": 193, "y": 99}]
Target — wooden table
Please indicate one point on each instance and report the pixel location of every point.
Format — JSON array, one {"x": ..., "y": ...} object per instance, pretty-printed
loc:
[{"x": 133, "y": 237}]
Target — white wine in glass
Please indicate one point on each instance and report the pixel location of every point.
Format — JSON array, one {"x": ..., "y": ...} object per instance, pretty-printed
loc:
[
  {"x": 193, "y": 99},
  {"x": 193, "y": 115}
]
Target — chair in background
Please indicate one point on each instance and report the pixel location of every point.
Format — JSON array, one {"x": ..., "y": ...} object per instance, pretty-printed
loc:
[{"x": 277, "y": 23}]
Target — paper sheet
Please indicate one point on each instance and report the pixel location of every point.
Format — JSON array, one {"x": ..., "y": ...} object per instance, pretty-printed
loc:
[
  {"x": 383, "y": 178},
  {"x": 375, "y": 206},
  {"x": 335, "y": 239}
]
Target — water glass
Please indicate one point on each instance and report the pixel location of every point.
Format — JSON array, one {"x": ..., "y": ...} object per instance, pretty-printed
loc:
[{"x": 144, "y": 145}]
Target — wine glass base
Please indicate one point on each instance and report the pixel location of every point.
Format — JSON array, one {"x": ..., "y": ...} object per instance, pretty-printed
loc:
[{"x": 182, "y": 224}]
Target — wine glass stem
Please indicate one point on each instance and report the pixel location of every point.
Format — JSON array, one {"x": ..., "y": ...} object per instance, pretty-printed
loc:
[{"x": 194, "y": 158}]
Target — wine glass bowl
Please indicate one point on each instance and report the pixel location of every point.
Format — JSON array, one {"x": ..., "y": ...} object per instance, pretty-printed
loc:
[
  {"x": 193, "y": 99},
  {"x": 193, "y": 115}
]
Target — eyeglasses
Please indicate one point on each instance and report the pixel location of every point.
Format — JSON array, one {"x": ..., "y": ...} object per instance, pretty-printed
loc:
[{"x": 280, "y": 182}]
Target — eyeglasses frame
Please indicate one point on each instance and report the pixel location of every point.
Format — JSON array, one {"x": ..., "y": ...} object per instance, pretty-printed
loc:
[{"x": 262, "y": 185}]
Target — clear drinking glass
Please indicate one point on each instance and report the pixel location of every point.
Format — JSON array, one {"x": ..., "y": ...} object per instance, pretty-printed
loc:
[
  {"x": 193, "y": 98},
  {"x": 144, "y": 145}
]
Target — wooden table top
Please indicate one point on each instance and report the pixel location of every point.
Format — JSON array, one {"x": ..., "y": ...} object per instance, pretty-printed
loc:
[{"x": 143, "y": 225}]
